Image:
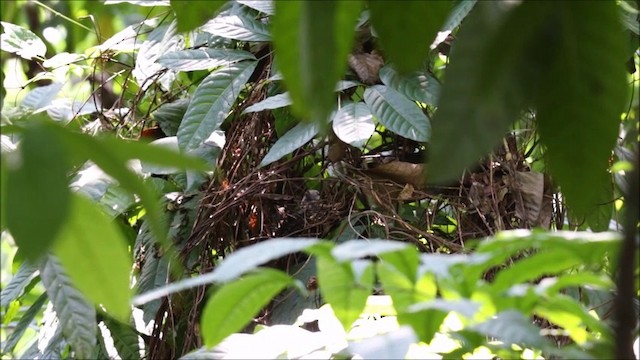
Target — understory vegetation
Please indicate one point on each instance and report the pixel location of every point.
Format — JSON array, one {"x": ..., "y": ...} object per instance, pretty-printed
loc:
[{"x": 319, "y": 179}]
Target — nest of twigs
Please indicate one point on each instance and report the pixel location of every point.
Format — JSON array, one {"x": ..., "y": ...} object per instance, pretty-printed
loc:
[{"x": 372, "y": 195}]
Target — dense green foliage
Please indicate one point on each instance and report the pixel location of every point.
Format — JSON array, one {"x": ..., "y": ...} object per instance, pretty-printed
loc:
[{"x": 449, "y": 177}]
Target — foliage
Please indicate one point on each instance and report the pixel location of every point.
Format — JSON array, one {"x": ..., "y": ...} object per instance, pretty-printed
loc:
[{"x": 168, "y": 172}]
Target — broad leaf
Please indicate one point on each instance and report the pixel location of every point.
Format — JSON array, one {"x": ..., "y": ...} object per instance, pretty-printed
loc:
[
  {"x": 77, "y": 316},
  {"x": 25, "y": 274},
  {"x": 322, "y": 32},
  {"x": 356, "y": 249},
  {"x": 265, "y": 6},
  {"x": 42, "y": 96},
  {"x": 340, "y": 288},
  {"x": 235, "y": 304},
  {"x": 37, "y": 192},
  {"x": 272, "y": 102},
  {"x": 236, "y": 264},
  {"x": 463, "y": 307},
  {"x": 161, "y": 40},
  {"x": 353, "y": 124},
  {"x": 397, "y": 113},
  {"x": 93, "y": 251},
  {"x": 153, "y": 154},
  {"x": 417, "y": 86},
  {"x": 459, "y": 12},
  {"x": 170, "y": 115},
  {"x": 20, "y": 41},
  {"x": 487, "y": 84},
  {"x": 211, "y": 102},
  {"x": 195, "y": 13},
  {"x": 238, "y": 27},
  {"x": 511, "y": 327},
  {"x": 406, "y": 31},
  {"x": 389, "y": 345},
  {"x": 23, "y": 324},
  {"x": 125, "y": 339},
  {"x": 203, "y": 58},
  {"x": 292, "y": 140},
  {"x": 575, "y": 102}
]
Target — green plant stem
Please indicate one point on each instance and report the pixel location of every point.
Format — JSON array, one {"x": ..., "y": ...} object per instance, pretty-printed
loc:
[{"x": 62, "y": 15}]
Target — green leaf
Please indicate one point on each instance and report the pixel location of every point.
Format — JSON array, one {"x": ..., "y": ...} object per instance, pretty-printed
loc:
[
  {"x": 356, "y": 249},
  {"x": 340, "y": 288},
  {"x": 77, "y": 316},
  {"x": 23, "y": 324},
  {"x": 466, "y": 308},
  {"x": 397, "y": 113},
  {"x": 572, "y": 317},
  {"x": 459, "y": 12},
  {"x": 153, "y": 154},
  {"x": 93, "y": 251},
  {"x": 406, "y": 31},
  {"x": 37, "y": 193},
  {"x": 272, "y": 102},
  {"x": 112, "y": 163},
  {"x": 125, "y": 339},
  {"x": 202, "y": 59},
  {"x": 353, "y": 124},
  {"x": 211, "y": 103},
  {"x": 41, "y": 96},
  {"x": 418, "y": 86},
  {"x": 573, "y": 96},
  {"x": 290, "y": 141},
  {"x": 235, "y": 304},
  {"x": 405, "y": 261},
  {"x": 405, "y": 291},
  {"x": 26, "y": 272},
  {"x": 22, "y": 42},
  {"x": 170, "y": 115},
  {"x": 485, "y": 87},
  {"x": 512, "y": 327},
  {"x": 238, "y": 27},
  {"x": 265, "y": 6},
  {"x": 312, "y": 40},
  {"x": 196, "y": 13},
  {"x": 236, "y": 264},
  {"x": 544, "y": 262}
]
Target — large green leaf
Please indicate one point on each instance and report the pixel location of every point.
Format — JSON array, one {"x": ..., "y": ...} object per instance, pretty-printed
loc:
[
  {"x": 236, "y": 264},
  {"x": 353, "y": 124},
  {"x": 20, "y": 41},
  {"x": 125, "y": 339},
  {"x": 292, "y": 140},
  {"x": 211, "y": 103},
  {"x": 203, "y": 58},
  {"x": 417, "y": 86},
  {"x": 170, "y": 115},
  {"x": 26, "y": 320},
  {"x": 195, "y": 13},
  {"x": 93, "y": 251},
  {"x": 235, "y": 304},
  {"x": 397, "y": 113},
  {"x": 111, "y": 162},
  {"x": 491, "y": 72},
  {"x": 37, "y": 193},
  {"x": 356, "y": 249},
  {"x": 312, "y": 40},
  {"x": 26, "y": 272},
  {"x": 272, "y": 102},
  {"x": 512, "y": 327},
  {"x": 238, "y": 27},
  {"x": 577, "y": 102},
  {"x": 406, "y": 31},
  {"x": 459, "y": 12},
  {"x": 265, "y": 6},
  {"x": 77, "y": 316},
  {"x": 340, "y": 288}
]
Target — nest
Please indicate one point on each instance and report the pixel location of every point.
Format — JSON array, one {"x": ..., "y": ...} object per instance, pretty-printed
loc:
[{"x": 386, "y": 197}]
